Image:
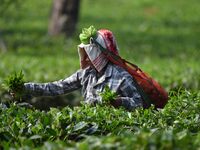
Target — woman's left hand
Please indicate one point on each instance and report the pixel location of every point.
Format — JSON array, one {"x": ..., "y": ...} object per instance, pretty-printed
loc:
[{"x": 116, "y": 103}]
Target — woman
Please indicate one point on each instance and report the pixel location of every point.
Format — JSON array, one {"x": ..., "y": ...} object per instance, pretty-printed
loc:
[{"x": 95, "y": 74}]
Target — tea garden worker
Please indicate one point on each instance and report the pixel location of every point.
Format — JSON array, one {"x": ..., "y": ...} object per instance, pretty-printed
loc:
[{"x": 96, "y": 72}]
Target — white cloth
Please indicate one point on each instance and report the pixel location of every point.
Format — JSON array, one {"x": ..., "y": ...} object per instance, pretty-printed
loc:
[
  {"x": 94, "y": 54},
  {"x": 91, "y": 53}
]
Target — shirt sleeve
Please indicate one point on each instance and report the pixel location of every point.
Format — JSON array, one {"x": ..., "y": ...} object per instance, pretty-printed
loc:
[
  {"x": 130, "y": 97},
  {"x": 55, "y": 88}
]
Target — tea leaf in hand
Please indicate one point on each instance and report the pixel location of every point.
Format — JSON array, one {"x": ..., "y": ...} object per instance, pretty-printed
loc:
[
  {"x": 108, "y": 95},
  {"x": 15, "y": 82},
  {"x": 86, "y": 34}
]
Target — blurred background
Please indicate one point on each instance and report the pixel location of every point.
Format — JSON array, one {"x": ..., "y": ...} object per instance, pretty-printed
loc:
[{"x": 40, "y": 37}]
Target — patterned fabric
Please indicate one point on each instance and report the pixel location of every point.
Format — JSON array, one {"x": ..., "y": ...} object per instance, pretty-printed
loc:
[
  {"x": 107, "y": 40},
  {"x": 83, "y": 57},
  {"x": 96, "y": 57},
  {"x": 92, "y": 84},
  {"x": 92, "y": 52}
]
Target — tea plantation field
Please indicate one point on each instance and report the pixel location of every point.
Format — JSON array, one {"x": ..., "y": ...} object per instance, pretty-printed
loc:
[
  {"x": 103, "y": 127},
  {"x": 162, "y": 37}
]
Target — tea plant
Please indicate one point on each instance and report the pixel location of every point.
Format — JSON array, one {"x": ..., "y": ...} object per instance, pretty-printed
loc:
[
  {"x": 15, "y": 83},
  {"x": 161, "y": 39},
  {"x": 108, "y": 95},
  {"x": 100, "y": 127},
  {"x": 86, "y": 34}
]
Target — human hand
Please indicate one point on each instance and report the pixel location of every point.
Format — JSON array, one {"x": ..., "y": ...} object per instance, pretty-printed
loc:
[
  {"x": 116, "y": 103},
  {"x": 12, "y": 94},
  {"x": 15, "y": 95}
]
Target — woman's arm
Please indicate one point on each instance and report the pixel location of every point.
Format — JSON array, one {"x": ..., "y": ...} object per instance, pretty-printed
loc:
[{"x": 54, "y": 88}]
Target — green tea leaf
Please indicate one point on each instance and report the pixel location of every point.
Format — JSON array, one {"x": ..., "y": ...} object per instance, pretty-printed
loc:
[
  {"x": 108, "y": 95},
  {"x": 15, "y": 82},
  {"x": 86, "y": 34},
  {"x": 79, "y": 126}
]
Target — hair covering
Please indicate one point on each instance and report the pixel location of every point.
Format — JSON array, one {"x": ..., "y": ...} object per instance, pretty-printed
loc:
[
  {"x": 106, "y": 39},
  {"x": 92, "y": 51}
]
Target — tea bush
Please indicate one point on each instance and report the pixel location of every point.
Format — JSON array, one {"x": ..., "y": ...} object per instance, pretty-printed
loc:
[
  {"x": 161, "y": 37},
  {"x": 175, "y": 126}
]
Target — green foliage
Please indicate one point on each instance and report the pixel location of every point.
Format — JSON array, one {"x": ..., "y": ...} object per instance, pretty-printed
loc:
[
  {"x": 6, "y": 4},
  {"x": 15, "y": 83},
  {"x": 108, "y": 95},
  {"x": 161, "y": 39},
  {"x": 86, "y": 34},
  {"x": 175, "y": 126}
]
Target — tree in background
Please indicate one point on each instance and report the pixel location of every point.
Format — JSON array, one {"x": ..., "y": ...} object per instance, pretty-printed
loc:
[{"x": 64, "y": 17}]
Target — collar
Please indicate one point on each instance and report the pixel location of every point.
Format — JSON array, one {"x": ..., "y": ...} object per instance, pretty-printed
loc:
[{"x": 106, "y": 74}]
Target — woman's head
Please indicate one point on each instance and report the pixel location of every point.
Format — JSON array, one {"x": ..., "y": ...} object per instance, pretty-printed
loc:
[
  {"x": 107, "y": 40},
  {"x": 91, "y": 50}
]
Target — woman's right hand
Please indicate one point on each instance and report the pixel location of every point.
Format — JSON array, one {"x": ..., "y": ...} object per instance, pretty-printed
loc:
[
  {"x": 12, "y": 94},
  {"x": 116, "y": 103}
]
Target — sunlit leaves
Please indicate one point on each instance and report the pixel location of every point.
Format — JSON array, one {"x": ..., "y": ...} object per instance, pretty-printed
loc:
[
  {"x": 174, "y": 126},
  {"x": 15, "y": 83}
]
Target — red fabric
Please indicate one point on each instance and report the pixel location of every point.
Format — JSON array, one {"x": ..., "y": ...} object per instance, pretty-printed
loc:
[
  {"x": 109, "y": 40},
  {"x": 152, "y": 89},
  {"x": 155, "y": 93}
]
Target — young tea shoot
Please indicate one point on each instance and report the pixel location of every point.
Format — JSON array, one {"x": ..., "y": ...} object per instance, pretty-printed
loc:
[
  {"x": 108, "y": 95},
  {"x": 15, "y": 83},
  {"x": 86, "y": 34}
]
